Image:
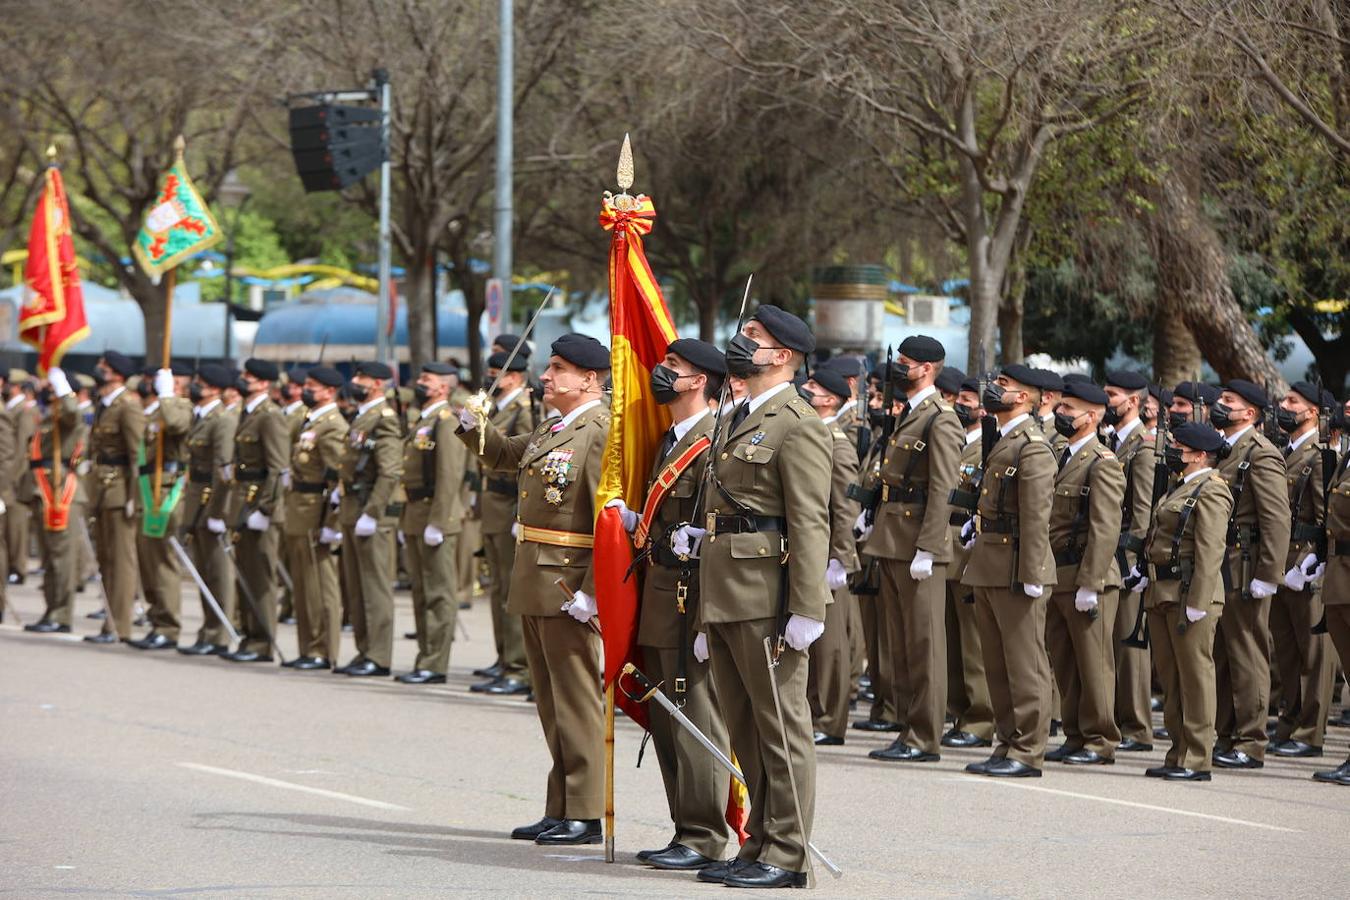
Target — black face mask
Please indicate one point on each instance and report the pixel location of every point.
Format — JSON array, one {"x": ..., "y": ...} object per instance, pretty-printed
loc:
[
  {"x": 1287, "y": 420},
  {"x": 1112, "y": 416},
  {"x": 900, "y": 372},
  {"x": 1172, "y": 456},
  {"x": 1221, "y": 416},
  {"x": 145, "y": 387},
  {"x": 741, "y": 356},
  {"x": 420, "y": 395},
  {"x": 1064, "y": 424},
  {"x": 100, "y": 376},
  {"x": 358, "y": 393},
  {"x": 876, "y": 418},
  {"x": 993, "y": 398},
  {"x": 966, "y": 415},
  {"x": 307, "y": 397},
  {"x": 1175, "y": 420},
  {"x": 195, "y": 392},
  {"x": 349, "y": 414},
  {"x": 663, "y": 382},
  {"x": 45, "y": 396}
]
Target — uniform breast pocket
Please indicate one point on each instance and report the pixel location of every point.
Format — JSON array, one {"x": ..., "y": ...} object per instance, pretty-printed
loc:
[
  {"x": 563, "y": 557},
  {"x": 750, "y": 468},
  {"x": 686, "y": 487},
  {"x": 1338, "y": 503},
  {"x": 1065, "y": 500}
]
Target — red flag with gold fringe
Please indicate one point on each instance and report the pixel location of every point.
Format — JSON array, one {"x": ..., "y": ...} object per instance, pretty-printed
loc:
[{"x": 52, "y": 319}]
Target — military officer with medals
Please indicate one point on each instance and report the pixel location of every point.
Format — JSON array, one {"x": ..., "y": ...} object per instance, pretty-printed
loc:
[
  {"x": 54, "y": 453},
  {"x": 558, "y": 471},
  {"x": 1258, "y": 535},
  {"x": 372, "y": 467},
  {"x": 764, "y": 544},
  {"x": 1081, "y": 613},
  {"x": 513, "y": 414},
  {"x": 1011, "y": 567},
  {"x": 261, "y": 455},
  {"x": 1332, "y": 570},
  {"x": 311, "y": 522},
  {"x": 1185, "y": 597},
  {"x": 167, "y": 420}
]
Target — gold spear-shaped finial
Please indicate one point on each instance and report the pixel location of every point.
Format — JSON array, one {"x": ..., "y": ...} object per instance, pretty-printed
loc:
[
  {"x": 624, "y": 175},
  {"x": 51, "y": 153},
  {"x": 179, "y": 145}
]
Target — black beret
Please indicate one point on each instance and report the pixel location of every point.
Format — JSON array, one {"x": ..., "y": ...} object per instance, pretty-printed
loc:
[
  {"x": 439, "y": 368},
  {"x": 1308, "y": 391},
  {"x": 119, "y": 363},
  {"x": 1085, "y": 391},
  {"x": 498, "y": 361},
  {"x": 972, "y": 385},
  {"x": 1071, "y": 377},
  {"x": 1048, "y": 381},
  {"x": 700, "y": 355},
  {"x": 949, "y": 380},
  {"x": 582, "y": 350},
  {"x": 375, "y": 369},
  {"x": 508, "y": 342},
  {"x": 1196, "y": 392},
  {"x": 1161, "y": 394},
  {"x": 1198, "y": 436},
  {"x": 262, "y": 369},
  {"x": 922, "y": 348},
  {"x": 326, "y": 376},
  {"x": 1126, "y": 379},
  {"x": 297, "y": 375},
  {"x": 1252, "y": 393},
  {"x": 789, "y": 330},
  {"x": 149, "y": 371},
  {"x": 215, "y": 375},
  {"x": 1022, "y": 374},
  {"x": 181, "y": 370},
  {"x": 833, "y": 382},
  {"x": 848, "y": 366},
  {"x": 877, "y": 374}
]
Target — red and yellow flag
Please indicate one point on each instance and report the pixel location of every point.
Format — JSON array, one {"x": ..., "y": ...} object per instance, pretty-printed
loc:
[{"x": 52, "y": 319}]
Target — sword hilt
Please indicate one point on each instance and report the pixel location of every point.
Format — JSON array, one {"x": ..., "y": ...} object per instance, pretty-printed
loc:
[{"x": 645, "y": 683}]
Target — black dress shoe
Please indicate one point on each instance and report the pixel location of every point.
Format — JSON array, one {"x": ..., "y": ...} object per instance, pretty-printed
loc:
[
  {"x": 875, "y": 725},
  {"x": 1341, "y": 721},
  {"x": 342, "y": 670},
  {"x": 491, "y": 673},
  {"x": 1236, "y": 759},
  {"x": 642, "y": 855},
  {"x": 97, "y": 615},
  {"x": 203, "y": 649},
  {"x": 1130, "y": 745},
  {"x": 482, "y": 686},
  {"x": 1295, "y": 749},
  {"x": 286, "y": 620},
  {"x": 47, "y": 626},
  {"x": 899, "y": 751},
  {"x": 717, "y": 873},
  {"x": 1177, "y": 774},
  {"x": 1162, "y": 734},
  {"x": 827, "y": 740},
  {"x": 762, "y": 875},
  {"x": 420, "y": 676},
  {"x": 507, "y": 687},
  {"x": 530, "y": 832},
  {"x": 155, "y": 641},
  {"x": 982, "y": 767},
  {"x": 964, "y": 739},
  {"x": 311, "y": 663},
  {"x": 1058, "y": 754},
  {"x": 1159, "y": 771},
  {"x": 103, "y": 637},
  {"x": 1338, "y": 775},
  {"x": 140, "y": 621},
  {"x": 410, "y": 635},
  {"x": 246, "y": 656},
  {"x": 1012, "y": 768},
  {"x": 680, "y": 858},
  {"x": 1155, "y": 704},
  {"x": 365, "y": 668},
  {"x": 572, "y": 831},
  {"x": 1085, "y": 757},
  {"x": 1054, "y": 727}
]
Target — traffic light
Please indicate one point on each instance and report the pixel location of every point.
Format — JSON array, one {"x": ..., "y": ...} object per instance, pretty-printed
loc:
[{"x": 335, "y": 146}]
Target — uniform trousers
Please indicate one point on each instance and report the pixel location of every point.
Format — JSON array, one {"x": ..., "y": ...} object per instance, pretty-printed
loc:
[
  {"x": 967, "y": 690},
  {"x": 916, "y": 617},
  {"x": 1012, "y": 636},
  {"x": 1186, "y": 669},
  {"x": 1134, "y": 675},
  {"x": 1242, "y": 670},
  {"x": 435, "y": 608},
  {"x": 500, "y": 550},
  {"x": 255, "y": 556},
  {"x": 1084, "y": 665},
  {"x": 161, "y": 579},
  {"x": 828, "y": 679},
  {"x": 368, "y": 566},
  {"x": 115, "y": 546},
  {"x": 1304, "y": 664},
  {"x": 318, "y": 613}
]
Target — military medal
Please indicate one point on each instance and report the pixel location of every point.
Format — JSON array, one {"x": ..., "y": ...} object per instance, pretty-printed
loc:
[{"x": 554, "y": 470}]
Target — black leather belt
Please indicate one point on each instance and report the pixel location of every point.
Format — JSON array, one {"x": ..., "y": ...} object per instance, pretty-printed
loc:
[
  {"x": 249, "y": 475},
  {"x": 1131, "y": 543},
  {"x": 104, "y": 460},
  {"x": 665, "y": 557},
  {"x": 898, "y": 493},
  {"x": 170, "y": 468},
  {"x": 1068, "y": 557},
  {"x": 47, "y": 463},
  {"x": 421, "y": 493},
  {"x": 1166, "y": 573},
  {"x": 504, "y": 486},
  {"x": 998, "y": 526},
  {"x": 747, "y": 524},
  {"x": 308, "y": 487},
  {"x": 200, "y": 477},
  {"x": 1339, "y": 548}
]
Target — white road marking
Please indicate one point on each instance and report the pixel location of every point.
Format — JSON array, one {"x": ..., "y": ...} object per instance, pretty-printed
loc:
[
  {"x": 290, "y": 786},
  {"x": 1149, "y": 806},
  {"x": 63, "y": 867}
]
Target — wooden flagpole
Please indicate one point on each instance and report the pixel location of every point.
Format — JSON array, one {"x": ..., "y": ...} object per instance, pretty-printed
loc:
[
  {"x": 609, "y": 773},
  {"x": 170, "y": 278}
]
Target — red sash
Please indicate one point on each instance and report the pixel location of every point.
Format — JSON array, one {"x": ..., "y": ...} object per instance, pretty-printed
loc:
[
  {"x": 55, "y": 507},
  {"x": 662, "y": 485}
]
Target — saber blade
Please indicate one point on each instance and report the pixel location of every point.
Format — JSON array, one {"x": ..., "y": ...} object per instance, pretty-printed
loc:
[{"x": 201, "y": 586}]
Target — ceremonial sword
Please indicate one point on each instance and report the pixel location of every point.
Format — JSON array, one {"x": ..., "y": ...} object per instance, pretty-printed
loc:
[
  {"x": 228, "y": 546},
  {"x": 201, "y": 586},
  {"x": 478, "y": 403}
]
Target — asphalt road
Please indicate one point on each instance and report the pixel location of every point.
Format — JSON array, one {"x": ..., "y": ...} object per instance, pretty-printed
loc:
[{"x": 126, "y": 773}]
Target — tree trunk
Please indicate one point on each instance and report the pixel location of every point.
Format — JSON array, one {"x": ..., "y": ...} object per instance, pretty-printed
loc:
[
  {"x": 419, "y": 295},
  {"x": 707, "y": 318},
  {"x": 1176, "y": 356},
  {"x": 1194, "y": 289},
  {"x": 150, "y": 297},
  {"x": 1011, "y": 315}
]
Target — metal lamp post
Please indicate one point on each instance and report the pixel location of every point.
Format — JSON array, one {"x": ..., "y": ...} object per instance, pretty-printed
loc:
[{"x": 233, "y": 193}]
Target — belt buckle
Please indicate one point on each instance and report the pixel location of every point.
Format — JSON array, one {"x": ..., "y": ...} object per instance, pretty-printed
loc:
[
  {"x": 520, "y": 532},
  {"x": 885, "y": 492},
  {"x": 711, "y": 523}
]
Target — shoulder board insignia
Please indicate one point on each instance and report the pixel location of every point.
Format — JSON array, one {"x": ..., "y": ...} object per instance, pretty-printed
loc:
[
  {"x": 444, "y": 413},
  {"x": 386, "y": 413},
  {"x": 838, "y": 434},
  {"x": 1107, "y": 454},
  {"x": 1033, "y": 437}
]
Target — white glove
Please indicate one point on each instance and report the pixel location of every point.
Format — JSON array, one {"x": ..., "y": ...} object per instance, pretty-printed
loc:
[
  {"x": 257, "y": 521},
  {"x": 1033, "y": 591},
  {"x": 330, "y": 536},
  {"x": 433, "y": 536},
  {"x": 130, "y": 509},
  {"x": 467, "y": 420},
  {"x": 1261, "y": 589},
  {"x": 582, "y": 607},
  {"x": 3, "y": 508},
  {"x": 365, "y": 526},
  {"x": 968, "y": 534},
  {"x": 1140, "y": 586},
  {"x": 515, "y": 529},
  {"x": 1317, "y": 573},
  {"x": 286, "y": 479},
  {"x": 1194, "y": 615},
  {"x": 802, "y": 632},
  {"x": 1085, "y": 600},
  {"x": 701, "y": 647},
  {"x": 686, "y": 540},
  {"x": 630, "y": 518},
  {"x": 921, "y": 569},
  {"x": 835, "y": 576},
  {"x": 59, "y": 382},
  {"x": 1294, "y": 579},
  {"x": 164, "y": 383},
  {"x": 215, "y": 526},
  {"x": 861, "y": 528},
  {"x": 334, "y": 499},
  {"x": 227, "y": 472},
  {"x": 402, "y": 538}
]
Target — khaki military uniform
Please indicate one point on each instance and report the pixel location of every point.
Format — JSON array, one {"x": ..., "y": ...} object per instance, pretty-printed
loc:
[
  {"x": 61, "y": 426},
  {"x": 696, "y": 786},
  {"x": 372, "y": 465},
  {"x": 9, "y": 450},
  {"x": 315, "y": 458},
  {"x": 860, "y": 437},
  {"x": 1134, "y": 670},
  {"x": 470, "y": 540},
  {"x": 1185, "y": 570},
  {"x": 1336, "y": 579},
  {"x": 119, "y": 425},
  {"x": 558, "y": 470},
  {"x": 875, "y": 616},
  {"x": 261, "y": 454},
  {"x": 161, "y": 576},
  {"x": 497, "y": 513},
  {"x": 1259, "y": 546},
  {"x": 968, "y": 700},
  {"x": 775, "y": 465},
  {"x": 23, "y": 420},
  {"x": 828, "y": 682},
  {"x": 294, "y": 417},
  {"x": 1084, "y": 536},
  {"x": 1012, "y": 549},
  {"x": 210, "y": 450},
  {"x": 1302, "y": 659}
]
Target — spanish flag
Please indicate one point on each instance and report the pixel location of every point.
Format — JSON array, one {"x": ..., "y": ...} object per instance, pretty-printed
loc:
[{"x": 52, "y": 319}]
